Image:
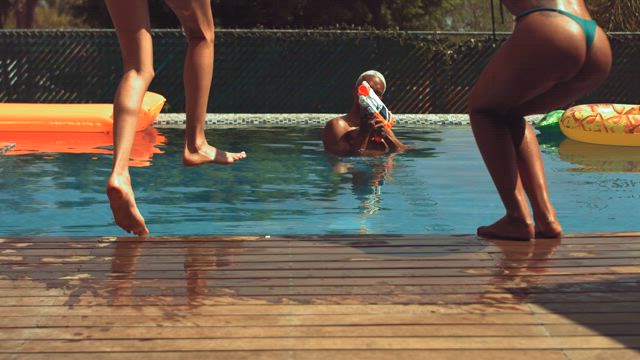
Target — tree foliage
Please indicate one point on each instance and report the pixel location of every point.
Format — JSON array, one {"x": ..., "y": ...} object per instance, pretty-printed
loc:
[
  {"x": 379, "y": 14},
  {"x": 617, "y": 15},
  {"x": 23, "y": 12},
  {"x": 442, "y": 15},
  {"x": 94, "y": 13}
]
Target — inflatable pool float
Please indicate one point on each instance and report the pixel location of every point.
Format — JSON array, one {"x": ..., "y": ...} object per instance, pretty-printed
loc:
[
  {"x": 550, "y": 122},
  {"x": 603, "y": 124},
  {"x": 145, "y": 144},
  {"x": 87, "y": 118},
  {"x": 599, "y": 158}
]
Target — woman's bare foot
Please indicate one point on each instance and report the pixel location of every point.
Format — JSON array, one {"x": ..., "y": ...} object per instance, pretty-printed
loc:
[
  {"x": 548, "y": 228},
  {"x": 123, "y": 205},
  {"x": 208, "y": 154},
  {"x": 510, "y": 228}
]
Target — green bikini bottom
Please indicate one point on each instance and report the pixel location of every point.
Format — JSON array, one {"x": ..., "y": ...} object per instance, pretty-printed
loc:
[{"x": 588, "y": 26}]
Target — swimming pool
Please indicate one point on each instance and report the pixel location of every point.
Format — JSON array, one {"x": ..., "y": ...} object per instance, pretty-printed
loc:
[{"x": 288, "y": 185}]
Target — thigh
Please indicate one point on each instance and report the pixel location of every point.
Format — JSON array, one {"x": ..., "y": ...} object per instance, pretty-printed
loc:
[
  {"x": 131, "y": 21},
  {"x": 196, "y": 16},
  {"x": 542, "y": 52}
]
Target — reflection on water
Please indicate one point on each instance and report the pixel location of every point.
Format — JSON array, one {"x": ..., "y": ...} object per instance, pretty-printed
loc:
[
  {"x": 145, "y": 144},
  {"x": 368, "y": 175},
  {"x": 591, "y": 157},
  {"x": 600, "y": 158}
]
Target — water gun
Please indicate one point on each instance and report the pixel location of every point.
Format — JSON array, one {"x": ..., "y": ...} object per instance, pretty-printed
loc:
[{"x": 374, "y": 107}]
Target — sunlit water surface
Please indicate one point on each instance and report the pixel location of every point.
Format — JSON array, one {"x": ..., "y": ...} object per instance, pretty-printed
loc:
[{"x": 288, "y": 185}]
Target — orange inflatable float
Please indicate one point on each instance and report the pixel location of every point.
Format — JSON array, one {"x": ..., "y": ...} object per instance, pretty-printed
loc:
[
  {"x": 604, "y": 124},
  {"x": 72, "y": 118}
]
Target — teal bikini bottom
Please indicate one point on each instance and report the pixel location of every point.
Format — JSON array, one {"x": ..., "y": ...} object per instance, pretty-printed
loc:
[{"x": 588, "y": 26}]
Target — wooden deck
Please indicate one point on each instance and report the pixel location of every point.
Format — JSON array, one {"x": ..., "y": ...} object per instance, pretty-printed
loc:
[{"x": 321, "y": 297}]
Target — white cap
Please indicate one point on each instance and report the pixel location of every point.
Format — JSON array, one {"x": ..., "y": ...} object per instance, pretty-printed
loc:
[{"x": 372, "y": 73}]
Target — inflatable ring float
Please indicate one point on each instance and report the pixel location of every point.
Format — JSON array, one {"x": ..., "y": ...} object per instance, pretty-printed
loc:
[
  {"x": 604, "y": 124},
  {"x": 87, "y": 118}
]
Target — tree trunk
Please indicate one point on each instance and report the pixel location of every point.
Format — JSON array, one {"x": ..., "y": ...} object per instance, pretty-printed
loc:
[
  {"x": 4, "y": 12},
  {"x": 25, "y": 14}
]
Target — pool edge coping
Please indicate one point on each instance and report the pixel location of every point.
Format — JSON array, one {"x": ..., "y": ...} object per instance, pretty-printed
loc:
[{"x": 178, "y": 120}]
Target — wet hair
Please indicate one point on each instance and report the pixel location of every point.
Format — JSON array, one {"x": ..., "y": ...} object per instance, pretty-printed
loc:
[{"x": 375, "y": 74}]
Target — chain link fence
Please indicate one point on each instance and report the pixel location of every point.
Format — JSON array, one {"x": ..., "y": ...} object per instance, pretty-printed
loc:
[{"x": 280, "y": 71}]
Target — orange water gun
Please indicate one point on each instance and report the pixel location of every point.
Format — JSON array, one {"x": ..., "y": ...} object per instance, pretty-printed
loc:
[{"x": 374, "y": 107}]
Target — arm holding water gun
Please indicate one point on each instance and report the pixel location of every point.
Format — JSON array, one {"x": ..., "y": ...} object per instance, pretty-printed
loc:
[{"x": 377, "y": 120}]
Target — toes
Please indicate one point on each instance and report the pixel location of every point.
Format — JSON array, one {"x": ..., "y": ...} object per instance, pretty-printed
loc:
[
  {"x": 239, "y": 156},
  {"x": 142, "y": 232}
]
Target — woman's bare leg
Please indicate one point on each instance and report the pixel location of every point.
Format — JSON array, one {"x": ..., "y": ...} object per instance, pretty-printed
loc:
[
  {"x": 594, "y": 72},
  {"x": 196, "y": 18},
  {"x": 131, "y": 20},
  {"x": 531, "y": 170},
  {"x": 527, "y": 66},
  {"x": 495, "y": 142}
]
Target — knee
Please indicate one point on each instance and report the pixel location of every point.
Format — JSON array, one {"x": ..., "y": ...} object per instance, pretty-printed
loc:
[
  {"x": 201, "y": 34},
  {"x": 147, "y": 74},
  {"x": 143, "y": 75}
]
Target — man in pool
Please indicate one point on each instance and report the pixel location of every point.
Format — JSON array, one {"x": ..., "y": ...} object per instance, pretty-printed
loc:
[{"x": 356, "y": 133}]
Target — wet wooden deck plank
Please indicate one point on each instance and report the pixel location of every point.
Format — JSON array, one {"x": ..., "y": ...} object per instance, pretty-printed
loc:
[
  {"x": 625, "y": 311},
  {"x": 336, "y": 343},
  {"x": 577, "y": 281},
  {"x": 312, "y": 297},
  {"x": 625, "y": 291},
  {"x": 420, "y": 298},
  {"x": 207, "y": 332},
  {"x": 602, "y": 354},
  {"x": 521, "y": 274},
  {"x": 322, "y": 355}
]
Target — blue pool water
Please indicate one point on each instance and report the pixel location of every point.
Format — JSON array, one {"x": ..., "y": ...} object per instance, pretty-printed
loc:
[{"x": 288, "y": 185}]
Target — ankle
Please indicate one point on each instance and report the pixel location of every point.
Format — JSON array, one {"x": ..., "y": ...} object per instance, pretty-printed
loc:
[
  {"x": 547, "y": 218},
  {"x": 195, "y": 145},
  {"x": 195, "y": 139},
  {"x": 518, "y": 217},
  {"x": 119, "y": 178}
]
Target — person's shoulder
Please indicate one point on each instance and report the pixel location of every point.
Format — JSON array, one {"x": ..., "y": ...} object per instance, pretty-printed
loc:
[
  {"x": 334, "y": 131},
  {"x": 337, "y": 121},
  {"x": 337, "y": 125}
]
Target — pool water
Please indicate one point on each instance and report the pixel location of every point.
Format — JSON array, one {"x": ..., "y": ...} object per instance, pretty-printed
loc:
[{"x": 288, "y": 185}]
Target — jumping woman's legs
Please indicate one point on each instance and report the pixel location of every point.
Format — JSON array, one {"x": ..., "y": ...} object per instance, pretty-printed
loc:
[
  {"x": 131, "y": 20},
  {"x": 196, "y": 18}
]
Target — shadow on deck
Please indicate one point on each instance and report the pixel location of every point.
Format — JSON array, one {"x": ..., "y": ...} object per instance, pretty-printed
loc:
[{"x": 315, "y": 297}]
